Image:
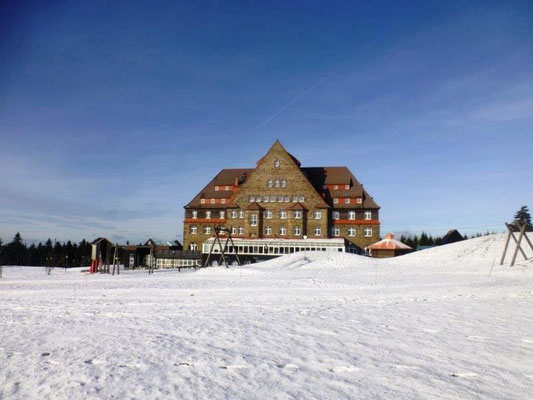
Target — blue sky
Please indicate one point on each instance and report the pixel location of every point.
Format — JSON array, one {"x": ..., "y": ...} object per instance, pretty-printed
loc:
[{"x": 113, "y": 115}]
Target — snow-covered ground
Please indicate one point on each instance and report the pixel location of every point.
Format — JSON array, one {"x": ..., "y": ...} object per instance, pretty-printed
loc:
[{"x": 428, "y": 325}]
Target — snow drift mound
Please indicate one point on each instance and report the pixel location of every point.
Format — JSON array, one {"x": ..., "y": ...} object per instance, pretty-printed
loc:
[
  {"x": 478, "y": 251},
  {"x": 316, "y": 260}
]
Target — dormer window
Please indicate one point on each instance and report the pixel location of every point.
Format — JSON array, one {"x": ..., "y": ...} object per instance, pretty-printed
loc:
[{"x": 277, "y": 163}]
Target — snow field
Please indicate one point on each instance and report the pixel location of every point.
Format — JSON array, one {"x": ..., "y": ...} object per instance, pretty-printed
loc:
[{"x": 432, "y": 324}]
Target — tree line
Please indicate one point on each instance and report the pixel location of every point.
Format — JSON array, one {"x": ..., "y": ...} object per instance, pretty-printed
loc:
[{"x": 50, "y": 253}]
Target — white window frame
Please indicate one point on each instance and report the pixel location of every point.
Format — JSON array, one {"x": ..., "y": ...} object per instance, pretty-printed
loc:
[
  {"x": 241, "y": 214},
  {"x": 283, "y": 214},
  {"x": 268, "y": 230},
  {"x": 193, "y": 247},
  {"x": 301, "y": 199},
  {"x": 351, "y": 215},
  {"x": 276, "y": 183},
  {"x": 346, "y": 187},
  {"x": 208, "y": 214},
  {"x": 266, "y": 199},
  {"x": 241, "y": 230},
  {"x": 194, "y": 214},
  {"x": 277, "y": 164},
  {"x": 297, "y": 214},
  {"x": 268, "y": 214},
  {"x": 207, "y": 230},
  {"x": 212, "y": 201},
  {"x": 335, "y": 231},
  {"x": 297, "y": 231},
  {"x": 226, "y": 188},
  {"x": 251, "y": 199},
  {"x": 336, "y": 215},
  {"x": 368, "y": 232},
  {"x": 233, "y": 230},
  {"x": 280, "y": 199},
  {"x": 270, "y": 183},
  {"x": 202, "y": 201},
  {"x": 222, "y": 214},
  {"x": 234, "y": 214},
  {"x": 193, "y": 230},
  {"x": 335, "y": 187},
  {"x": 283, "y": 231},
  {"x": 335, "y": 200},
  {"x": 347, "y": 200},
  {"x": 368, "y": 215},
  {"x": 272, "y": 198},
  {"x": 351, "y": 232},
  {"x": 317, "y": 214},
  {"x": 254, "y": 219},
  {"x": 223, "y": 201},
  {"x": 359, "y": 200},
  {"x": 317, "y": 231},
  {"x": 283, "y": 183},
  {"x": 216, "y": 188},
  {"x": 295, "y": 199},
  {"x": 287, "y": 199}
]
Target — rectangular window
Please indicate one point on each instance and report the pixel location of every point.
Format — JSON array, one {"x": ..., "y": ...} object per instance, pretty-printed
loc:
[
  {"x": 336, "y": 215},
  {"x": 223, "y": 201},
  {"x": 295, "y": 199},
  {"x": 195, "y": 214},
  {"x": 368, "y": 232},
  {"x": 208, "y": 215},
  {"x": 241, "y": 214},
  {"x": 253, "y": 219},
  {"x": 282, "y": 231},
  {"x": 335, "y": 187},
  {"x": 335, "y": 231},
  {"x": 268, "y": 214},
  {"x": 207, "y": 230},
  {"x": 317, "y": 214},
  {"x": 346, "y": 187},
  {"x": 272, "y": 199},
  {"x": 297, "y": 214},
  {"x": 251, "y": 199},
  {"x": 283, "y": 214},
  {"x": 234, "y": 214},
  {"x": 241, "y": 230},
  {"x": 233, "y": 230},
  {"x": 297, "y": 231},
  {"x": 317, "y": 231},
  {"x": 347, "y": 200},
  {"x": 280, "y": 199},
  {"x": 222, "y": 214},
  {"x": 335, "y": 200},
  {"x": 202, "y": 201},
  {"x": 359, "y": 200},
  {"x": 268, "y": 230},
  {"x": 194, "y": 230},
  {"x": 351, "y": 231},
  {"x": 368, "y": 215},
  {"x": 351, "y": 215},
  {"x": 265, "y": 199},
  {"x": 212, "y": 201},
  {"x": 226, "y": 188},
  {"x": 287, "y": 199},
  {"x": 301, "y": 199}
]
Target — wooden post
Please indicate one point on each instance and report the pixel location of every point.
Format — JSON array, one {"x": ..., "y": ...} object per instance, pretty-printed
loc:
[
  {"x": 506, "y": 243},
  {"x": 518, "y": 245}
]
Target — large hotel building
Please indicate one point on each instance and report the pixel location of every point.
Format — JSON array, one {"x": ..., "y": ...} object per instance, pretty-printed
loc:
[{"x": 280, "y": 207}]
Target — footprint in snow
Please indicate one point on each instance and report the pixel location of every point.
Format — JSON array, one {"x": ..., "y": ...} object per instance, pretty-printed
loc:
[
  {"x": 345, "y": 368},
  {"x": 464, "y": 374},
  {"x": 237, "y": 366},
  {"x": 289, "y": 366}
]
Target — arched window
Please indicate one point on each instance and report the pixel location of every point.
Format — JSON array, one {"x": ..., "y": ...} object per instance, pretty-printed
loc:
[
  {"x": 269, "y": 183},
  {"x": 283, "y": 183},
  {"x": 276, "y": 183}
]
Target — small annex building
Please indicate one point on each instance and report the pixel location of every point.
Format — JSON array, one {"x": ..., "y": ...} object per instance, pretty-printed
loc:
[
  {"x": 388, "y": 247},
  {"x": 452, "y": 236}
]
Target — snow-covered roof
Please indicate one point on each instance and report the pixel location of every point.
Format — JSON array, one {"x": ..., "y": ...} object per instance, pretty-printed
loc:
[{"x": 389, "y": 243}]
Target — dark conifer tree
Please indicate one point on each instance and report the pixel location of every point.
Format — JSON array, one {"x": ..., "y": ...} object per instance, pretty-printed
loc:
[{"x": 522, "y": 217}]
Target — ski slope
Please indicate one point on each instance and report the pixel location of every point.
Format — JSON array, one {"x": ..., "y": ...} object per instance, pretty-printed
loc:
[{"x": 432, "y": 324}]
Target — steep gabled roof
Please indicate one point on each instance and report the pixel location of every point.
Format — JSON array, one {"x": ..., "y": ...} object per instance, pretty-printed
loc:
[{"x": 389, "y": 243}]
